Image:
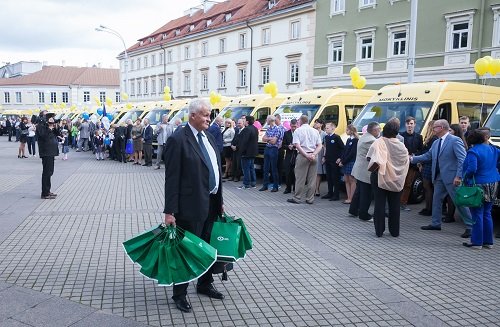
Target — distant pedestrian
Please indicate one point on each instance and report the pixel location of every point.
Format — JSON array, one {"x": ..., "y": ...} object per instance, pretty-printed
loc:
[
  {"x": 163, "y": 131},
  {"x": 426, "y": 171},
  {"x": 347, "y": 161},
  {"x": 414, "y": 143},
  {"x": 31, "y": 138},
  {"x": 147, "y": 137},
  {"x": 64, "y": 144},
  {"x": 9, "y": 127},
  {"x": 236, "y": 170},
  {"x": 215, "y": 130},
  {"x": 84, "y": 129},
  {"x": 273, "y": 138},
  {"x": 248, "y": 143},
  {"x": 319, "y": 125},
  {"x": 48, "y": 148},
  {"x": 99, "y": 145},
  {"x": 23, "y": 137},
  {"x": 333, "y": 151},
  {"x": 137, "y": 138},
  {"x": 290, "y": 157},
  {"x": 227, "y": 153}
]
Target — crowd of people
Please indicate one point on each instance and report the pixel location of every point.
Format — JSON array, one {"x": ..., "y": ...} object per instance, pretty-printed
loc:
[{"x": 379, "y": 166}]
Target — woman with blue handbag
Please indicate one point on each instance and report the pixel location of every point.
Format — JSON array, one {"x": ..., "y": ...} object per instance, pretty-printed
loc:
[{"x": 480, "y": 166}]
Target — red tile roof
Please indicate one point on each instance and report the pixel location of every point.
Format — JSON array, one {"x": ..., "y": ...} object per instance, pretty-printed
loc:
[
  {"x": 57, "y": 75},
  {"x": 240, "y": 10}
]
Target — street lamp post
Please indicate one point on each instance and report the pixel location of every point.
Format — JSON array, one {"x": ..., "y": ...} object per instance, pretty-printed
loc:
[{"x": 115, "y": 33}]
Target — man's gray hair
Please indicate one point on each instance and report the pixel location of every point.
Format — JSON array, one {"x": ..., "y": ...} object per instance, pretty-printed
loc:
[
  {"x": 129, "y": 121},
  {"x": 371, "y": 126},
  {"x": 304, "y": 119},
  {"x": 442, "y": 122},
  {"x": 271, "y": 118},
  {"x": 198, "y": 104}
]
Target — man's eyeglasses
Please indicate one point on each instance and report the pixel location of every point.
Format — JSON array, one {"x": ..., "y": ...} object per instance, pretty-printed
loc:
[{"x": 437, "y": 126}]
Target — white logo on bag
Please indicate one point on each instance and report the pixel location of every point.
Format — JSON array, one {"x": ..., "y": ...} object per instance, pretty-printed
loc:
[{"x": 222, "y": 238}]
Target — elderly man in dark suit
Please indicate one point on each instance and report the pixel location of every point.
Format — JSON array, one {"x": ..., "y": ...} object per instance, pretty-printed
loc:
[
  {"x": 193, "y": 188},
  {"x": 290, "y": 157}
]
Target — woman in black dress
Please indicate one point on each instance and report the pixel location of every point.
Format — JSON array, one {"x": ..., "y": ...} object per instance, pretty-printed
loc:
[{"x": 23, "y": 138}]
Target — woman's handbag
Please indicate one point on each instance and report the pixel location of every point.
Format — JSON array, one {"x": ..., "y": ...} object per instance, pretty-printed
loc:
[{"x": 469, "y": 196}]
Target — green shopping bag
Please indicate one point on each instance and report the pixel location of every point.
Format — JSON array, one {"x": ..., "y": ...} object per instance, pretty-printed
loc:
[
  {"x": 139, "y": 245},
  {"x": 225, "y": 238},
  {"x": 245, "y": 243}
]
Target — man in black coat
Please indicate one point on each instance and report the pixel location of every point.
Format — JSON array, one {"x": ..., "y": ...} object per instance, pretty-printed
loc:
[
  {"x": 48, "y": 149},
  {"x": 193, "y": 188},
  {"x": 147, "y": 138},
  {"x": 414, "y": 143},
  {"x": 8, "y": 127},
  {"x": 333, "y": 151},
  {"x": 248, "y": 143},
  {"x": 236, "y": 158},
  {"x": 290, "y": 157}
]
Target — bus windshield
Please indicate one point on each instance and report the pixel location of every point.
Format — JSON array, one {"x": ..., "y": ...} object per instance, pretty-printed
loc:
[
  {"x": 288, "y": 112},
  {"x": 493, "y": 121},
  {"x": 182, "y": 115},
  {"x": 236, "y": 113},
  {"x": 132, "y": 114},
  {"x": 154, "y": 116},
  {"x": 381, "y": 112}
]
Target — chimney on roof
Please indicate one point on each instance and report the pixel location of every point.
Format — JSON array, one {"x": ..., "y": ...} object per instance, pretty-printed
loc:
[
  {"x": 98, "y": 65},
  {"x": 207, "y": 5},
  {"x": 191, "y": 11}
]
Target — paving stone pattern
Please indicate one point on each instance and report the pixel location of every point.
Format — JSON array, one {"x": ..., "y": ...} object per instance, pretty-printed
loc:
[{"x": 311, "y": 264}]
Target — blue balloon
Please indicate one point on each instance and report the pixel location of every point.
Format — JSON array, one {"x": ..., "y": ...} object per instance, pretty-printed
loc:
[
  {"x": 110, "y": 117},
  {"x": 85, "y": 116},
  {"x": 99, "y": 111}
]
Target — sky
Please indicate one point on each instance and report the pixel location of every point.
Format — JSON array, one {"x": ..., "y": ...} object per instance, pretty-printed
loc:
[{"x": 54, "y": 31}]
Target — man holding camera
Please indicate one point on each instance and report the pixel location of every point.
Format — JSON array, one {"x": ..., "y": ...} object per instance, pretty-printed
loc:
[{"x": 48, "y": 149}]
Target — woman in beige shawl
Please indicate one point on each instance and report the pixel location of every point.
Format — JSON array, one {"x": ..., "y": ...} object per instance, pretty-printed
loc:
[{"x": 389, "y": 162}]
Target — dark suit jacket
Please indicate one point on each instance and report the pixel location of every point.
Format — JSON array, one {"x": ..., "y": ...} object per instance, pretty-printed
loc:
[
  {"x": 214, "y": 129},
  {"x": 333, "y": 147},
  {"x": 186, "y": 180},
  {"x": 248, "y": 142},
  {"x": 148, "y": 135},
  {"x": 287, "y": 140}
]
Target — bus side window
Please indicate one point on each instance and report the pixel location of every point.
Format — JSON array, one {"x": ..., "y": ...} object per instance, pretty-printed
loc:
[
  {"x": 330, "y": 114},
  {"x": 443, "y": 112},
  {"x": 351, "y": 112},
  {"x": 261, "y": 115},
  {"x": 476, "y": 112}
]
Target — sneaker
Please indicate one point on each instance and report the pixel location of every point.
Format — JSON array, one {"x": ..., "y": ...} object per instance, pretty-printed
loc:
[
  {"x": 243, "y": 187},
  {"x": 472, "y": 246},
  {"x": 405, "y": 208},
  {"x": 263, "y": 188},
  {"x": 254, "y": 186},
  {"x": 488, "y": 246}
]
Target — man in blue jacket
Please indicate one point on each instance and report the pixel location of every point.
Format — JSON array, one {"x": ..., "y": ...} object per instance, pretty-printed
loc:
[
  {"x": 215, "y": 130},
  {"x": 447, "y": 155}
]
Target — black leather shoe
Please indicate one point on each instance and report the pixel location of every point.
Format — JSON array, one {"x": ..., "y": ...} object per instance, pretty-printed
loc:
[
  {"x": 52, "y": 194},
  {"x": 48, "y": 197},
  {"x": 327, "y": 196},
  {"x": 274, "y": 190},
  {"x": 211, "y": 292},
  {"x": 466, "y": 234},
  {"x": 287, "y": 192},
  {"x": 448, "y": 220},
  {"x": 183, "y": 305},
  {"x": 293, "y": 201},
  {"x": 425, "y": 212},
  {"x": 430, "y": 227},
  {"x": 263, "y": 188}
]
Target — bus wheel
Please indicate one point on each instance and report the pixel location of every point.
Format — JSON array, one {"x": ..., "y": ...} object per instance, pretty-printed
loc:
[{"x": 417, "y": 190}]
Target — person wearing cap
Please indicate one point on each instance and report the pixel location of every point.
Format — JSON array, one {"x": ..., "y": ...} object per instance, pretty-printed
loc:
[{"x": 48, "y": 149}]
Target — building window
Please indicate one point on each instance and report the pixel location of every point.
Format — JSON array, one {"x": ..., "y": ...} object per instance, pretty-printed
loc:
[
  {"x": 204, "y": 49},
  {"x": 86, "y": 96},
  {"x": 271, "y": 3},
  {"x": 222, "y": 45},
  {"x": 160, "y": 58},
  {"x": 242, "y": 41},
  {"x": 153, "y": 86},
  {"x": 132, "y": 62},
  {"x": 222, "y": 79},
  {"x": 187, "y": 83},
  {"x": 264, "y": 74},
  {"x": 6, "y": 97},
  {"x": 65, "y": 97},
  {"x": 102, "y": 97},
  {"x": 169, "y": 56},
  {"x": 139, "y": 88},
  {"x": 118, "y": 97},
  {"x": 146, "y": 87},
  {"x": 132, "y": 88},
  {"x": 227, "y": 17},
  {"x": 242, "y": 77},
  {"x": 367, "y": 48},
  {"x": 337, "y": 7},
  {"x": 138, "y": 63},
  {"x": 18, "y": 97},
  {"x": 399, "y": 44},
  {"x": 204, "y": 81},
  {"x": 170, "y": 83},
  {"x": 294, "y": 30},
  {"x": 496, "y": 25},
  {"x": 294, "y": 72},
  {"x": 41, "y": 97},
  {"x": 367, "y": 3},
  {"x": 162, "y": 85},
  {"x": 153, "y": 60},
  {"x": 266, "y": 36},
  {"x": 459, "y": 30},
  {"x": 145, "y": 62},
  {"x": 336, "y": 49},
  {"x": 53, "y": 97},
  {"x": 365, "y": 40},
  {"x": 187, "y": 53}
]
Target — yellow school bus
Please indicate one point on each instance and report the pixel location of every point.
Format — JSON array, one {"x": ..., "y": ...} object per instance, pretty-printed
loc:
[
  {"x": 493, "y": 123},
  {"x": 257, "y": 105},
  {"x": 430, "y": 101},
  {"x": 182, "y": 114}
]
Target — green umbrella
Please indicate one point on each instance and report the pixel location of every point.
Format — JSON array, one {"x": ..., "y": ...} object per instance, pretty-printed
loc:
[{"x": 170, "y": 255}]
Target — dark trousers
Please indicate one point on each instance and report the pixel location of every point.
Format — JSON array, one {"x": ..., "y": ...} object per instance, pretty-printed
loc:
[
  {"x": 249, "y": 177},
  {"x": 236, "y": 165},
  {"x": 203, "y": 231},
  {"x": 148, "y": 153},
  {"x": 18, "y": 134},
  {"x": 47, "y": 171},
  {"x": 119, "y": 149},
  {"x": 333, "y": 177},
  {"x": 9, "y": 132},
  {"x": 271, "y": 166},
  {"x": 290, "y": 176},
  {"x": 31, "y": 145},
  {"x": 281, "y": 157},
  {"x": 361, "y": 201},
  {"x": 381, "y": 197}
]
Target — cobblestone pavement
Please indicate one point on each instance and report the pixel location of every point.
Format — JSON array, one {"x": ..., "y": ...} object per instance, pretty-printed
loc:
[{"x": 62, "y": 263}]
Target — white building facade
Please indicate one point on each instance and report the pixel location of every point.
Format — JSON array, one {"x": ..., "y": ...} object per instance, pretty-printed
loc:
[{"x": 234, "y": 59}]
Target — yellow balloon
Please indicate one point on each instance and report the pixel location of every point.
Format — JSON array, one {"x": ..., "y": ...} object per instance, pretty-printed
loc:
[
  {"x": 128, "y": 106},
  {"x": 267, "y": 88},
  {"x": 167, "y": 97},
  {"x": 361, "y": 82},
  {"x": 355, "y": 73},
  {"x": 481, "y": 66},
  {"x": 488, "y": 58},
  {"x": 63, "y": 105},
  {"x": 382, "y": 125},
  {"x": 494, "y": 67},
  {"x": 124, "y": 96},
  {"x": 166, "y": 89}
]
